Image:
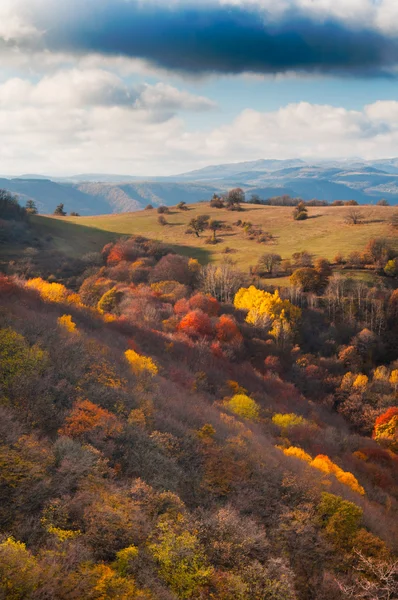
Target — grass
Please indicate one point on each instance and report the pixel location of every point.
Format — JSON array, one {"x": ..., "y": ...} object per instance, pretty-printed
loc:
[{"x": 324, "y": 234}]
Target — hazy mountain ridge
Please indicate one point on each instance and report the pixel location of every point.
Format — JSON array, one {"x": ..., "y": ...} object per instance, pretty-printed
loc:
[{"x": 363, "y": 181}]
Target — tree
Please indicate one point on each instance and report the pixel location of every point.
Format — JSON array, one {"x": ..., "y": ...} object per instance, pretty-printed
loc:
[
  {"x": 386, "y": 428},
  {"x": 196, "y": 323},
  {"x": 87, "y": 417},
  {"x": 266, "y": 309},
  {"x": 31, "y": 207},
  {"x": 378, "y": 250},
  {"x": 307, "y": 279},
  {"x": 217, "y": 202},
  {"x": 162, "y": 220},
  {"x": 269, "y": 262},
  {"x": 74, "y": 214},
  {"x": 340, "y": 518},
  {"x": 10, "y": 207},
  {"x": 215, "y": 225},
  {"x": 109, "y": 301},
  {"x": 163, "y": 210},
  {"x": 391, "y": 268},
  {"x": 199, "y": 224},
  {"x": 300, "y": 213},
  {"x": 383, "y": 202},
  {"x": 227, "y": 331},
  {"x": 59, "y": 211},
  {"x": 141, "y": 364},
  {"x": 243, "y": 406},
  {"x": 353, "y": 216},
  {"x": 182, "y": 206},
  {"x": 234, "y": 198}
]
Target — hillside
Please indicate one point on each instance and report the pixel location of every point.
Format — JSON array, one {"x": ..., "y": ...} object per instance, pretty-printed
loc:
[
  {"x": 94, "y": 198},
  {"x": 365, "y": 182},
  {"x": 169, "y": 433},
  {"x": 325, "y": 233}
]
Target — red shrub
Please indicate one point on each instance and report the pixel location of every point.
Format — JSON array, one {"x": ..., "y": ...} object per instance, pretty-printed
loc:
[
  {"x": 207, "y": 304},
  {"x": 181, "y": 307},
  {"x": 196, "y": 323},
  {"x": 228, "y": 331}
]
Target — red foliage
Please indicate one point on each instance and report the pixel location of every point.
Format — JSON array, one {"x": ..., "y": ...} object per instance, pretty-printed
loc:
[
  {"x": 196, "y": 323},
  {"x": 272, "y": 363},
  {"x": 116, "y": 255},
  {"x": 379, "y": 455},
  {"x": 207, "y": 304},
  {"x": 86, "y": 417},
  {"x": 181, "y": 307},
  {"x": 387, "y": 416},
  {"x": 217, "y": 350},
  {"x": 228, "y": 331}
]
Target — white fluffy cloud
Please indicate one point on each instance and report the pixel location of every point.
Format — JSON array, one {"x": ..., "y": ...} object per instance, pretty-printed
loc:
[
  {"x": 56, "y": 138},
  {"x": 96, "y": 87}
]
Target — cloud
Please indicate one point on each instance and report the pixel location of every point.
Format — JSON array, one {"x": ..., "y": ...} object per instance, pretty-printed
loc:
[
  {"x": 64, "y": 138},
  {"x": 258, "y": 36},
  {"x": 95, "y": 87}
]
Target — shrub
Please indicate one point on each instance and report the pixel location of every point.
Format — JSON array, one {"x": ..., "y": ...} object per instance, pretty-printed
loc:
[
  {"x": 51, "y": 292},
  {"x": 340, "y": 518},
  {"x": 243, "y": 406},
  {"x": 386, "y": 428},
  {"x": 87, "y": 417},
  {"x": 163, "y": 210},
  {"x": 66, "y": 322},
  {"x": 297, "y": 453},
  {"x": 172, "y": 267},
  {"x": 300, "y": 213},
  {"x": 205, "y": 303},
  {"x": 109, "y": 301},
  {"x": 140, "y": 364},
  {"x": 286, "y": 421},
  {"x": 227, "y": 331},
  {"x": 196, "y": 323}
]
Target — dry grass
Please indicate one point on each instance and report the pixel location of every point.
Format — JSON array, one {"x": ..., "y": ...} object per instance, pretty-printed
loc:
[{"x": 325, "y": 233}]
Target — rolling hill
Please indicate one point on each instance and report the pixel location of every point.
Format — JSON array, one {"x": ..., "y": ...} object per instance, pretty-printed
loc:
[
  {"x": 365, "y": 182},
  {"x": 323, "y": 234}
]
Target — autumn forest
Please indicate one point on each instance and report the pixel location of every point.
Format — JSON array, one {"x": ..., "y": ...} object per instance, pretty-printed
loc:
[{"x": 173, "y": 429}]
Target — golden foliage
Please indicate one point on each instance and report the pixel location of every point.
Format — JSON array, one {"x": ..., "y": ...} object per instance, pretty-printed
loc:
[
  {"x": 66, "y": 322},
  {"x": 298, "y": 453},
  {"x": 268, "y": 310},
  {"x": 285, "y": 421},
  {"x": 361, "y": 382},
  {"x": 141, "y": 364},
  {"x": 243, "y": 406},
  {"x": 51, "y": 292},
  {"x": 324, "y": 464}
]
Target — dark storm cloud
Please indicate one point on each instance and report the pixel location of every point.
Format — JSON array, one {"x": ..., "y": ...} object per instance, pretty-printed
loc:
[{"x": 210, "y": 38}]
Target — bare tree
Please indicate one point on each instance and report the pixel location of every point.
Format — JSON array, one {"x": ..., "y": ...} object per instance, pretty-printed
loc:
[
  {"x": 221, "y": 281},
  {"x": 372, "y": 579},
  {"x": 354, "y": 216},
  {"x": 269, "y": 262}
]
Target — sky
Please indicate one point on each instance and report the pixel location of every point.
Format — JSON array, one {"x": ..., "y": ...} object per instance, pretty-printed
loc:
[{"x": 151, "y": 87}]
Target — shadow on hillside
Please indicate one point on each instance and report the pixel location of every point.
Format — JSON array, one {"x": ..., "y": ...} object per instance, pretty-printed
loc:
[{"x": 92, "y": 239}]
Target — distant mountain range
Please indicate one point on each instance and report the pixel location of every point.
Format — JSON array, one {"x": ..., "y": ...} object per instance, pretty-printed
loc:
[{"x": 364, "y": 181}]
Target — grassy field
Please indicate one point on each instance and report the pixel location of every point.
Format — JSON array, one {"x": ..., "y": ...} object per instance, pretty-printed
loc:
[{"x": 325, "y": 233}]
